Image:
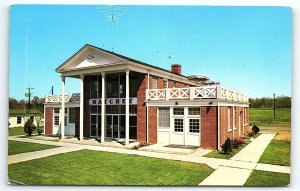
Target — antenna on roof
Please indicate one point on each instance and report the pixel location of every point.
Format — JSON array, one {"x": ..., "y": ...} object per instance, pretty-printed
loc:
[{"x": 112, "y": 14}]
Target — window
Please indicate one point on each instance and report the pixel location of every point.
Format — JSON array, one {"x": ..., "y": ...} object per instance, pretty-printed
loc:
[
  {"x": 65, "y": 120},
  {"x": 174, "y": 84},
  {"x": 178, "y": 125},
  {"x": 56, "y": 110},
  {"x": 194, "y": 125},
  {"x": 178, "y": 111},
  {"x": 154, "y": 83},
  {"x": 56, "y": 120},
  {"x": 165, "y": 83},
  {"x": 164, "y": 117},
  {"x": 19, "y": 119},
  {"x": 194, "y": 111},
  {"x": 71, "y": 115},
  {"x": 228, "y": 118},
  {"x": 32, "y": 119}
]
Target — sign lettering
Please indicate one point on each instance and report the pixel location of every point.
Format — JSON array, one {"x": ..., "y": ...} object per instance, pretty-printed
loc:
[{"x": 113, "y": 101}]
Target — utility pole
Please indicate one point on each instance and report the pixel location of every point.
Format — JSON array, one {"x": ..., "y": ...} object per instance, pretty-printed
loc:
[
  {"x": 28, "y": 94},
  {"x": 274, "y": 103}
]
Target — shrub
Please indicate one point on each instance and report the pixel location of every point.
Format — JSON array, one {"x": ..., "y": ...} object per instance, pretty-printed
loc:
[
  {"x": 255, "y": 129},
  {"x": 241, "y": 140},
  {"x": 40, "y": 131},
  {"x": 250, "y": 134},
  {"x": 226, "y": 146},
  {"x": 29, "y": 127}
]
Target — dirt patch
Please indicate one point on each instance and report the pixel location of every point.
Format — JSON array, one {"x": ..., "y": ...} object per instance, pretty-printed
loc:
[{"x": 283, "y": 135}]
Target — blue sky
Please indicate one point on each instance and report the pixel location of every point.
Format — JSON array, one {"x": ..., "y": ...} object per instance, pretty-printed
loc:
[{"x": 248, "y": 49}]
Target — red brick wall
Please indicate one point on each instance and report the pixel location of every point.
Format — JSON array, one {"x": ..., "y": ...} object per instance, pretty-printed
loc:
[
  {"x": 86, "y": 107},
  {"x": 230, "y": 134},
  {"x": 223, "y": 124},
  {"x": 152, "y": 125},
  {"x": 209, "y": 127},
  {"x": 237, "y": 114},
  {"x": 48, "y": 120},
  {"x": 141, "y": 108}
]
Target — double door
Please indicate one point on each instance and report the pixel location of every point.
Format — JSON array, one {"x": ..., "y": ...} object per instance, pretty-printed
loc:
[{"x": 115, "y": 126}]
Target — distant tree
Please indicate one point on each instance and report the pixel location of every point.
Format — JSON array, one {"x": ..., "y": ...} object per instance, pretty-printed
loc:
[{"x": 281, "y": 102}]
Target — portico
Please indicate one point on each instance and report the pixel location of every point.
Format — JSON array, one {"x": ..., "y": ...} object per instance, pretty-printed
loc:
[{"x": 102, "y": 104}]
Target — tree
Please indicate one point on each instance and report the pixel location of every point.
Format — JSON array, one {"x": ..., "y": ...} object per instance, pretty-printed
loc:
[{"x": 29, "y": 127}]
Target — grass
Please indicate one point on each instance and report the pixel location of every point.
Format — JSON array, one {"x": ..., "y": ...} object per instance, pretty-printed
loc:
[
  {"x": 88, "y": 167},
  {"x": 16, "y": 147},
  {"x": 263, "y": 178},
  {"x": 220, "y": 154},
  {"x": 16, "y": 131},
  {"x": 264, "y": 117},
  {"x": 278, "y": 153}
]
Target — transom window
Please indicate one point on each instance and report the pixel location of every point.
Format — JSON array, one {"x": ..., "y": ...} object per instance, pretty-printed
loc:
[
  {"x": 178, "y": 125},
  {"x": 164, "y": 117},
  {"x": 178, "y": 111},
  {"x": 56, "y": 110},
  {"x": 194, "y": 111},
  {"x": 194, "y": 125},
  {"x": 19, "y": 119}
]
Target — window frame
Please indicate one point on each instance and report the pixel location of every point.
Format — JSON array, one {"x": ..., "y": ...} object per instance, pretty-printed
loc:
[
  {"x": 154, "y": 82},
  {"x": 176, "y": 120},
  {"x": 163, "y": 119},
  {"x": 198, "y": 129},
  {"x": 165, "y": 83},
  {"x": 19, "y": 118}
]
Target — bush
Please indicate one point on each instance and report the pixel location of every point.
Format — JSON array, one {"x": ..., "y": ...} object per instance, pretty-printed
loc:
[
  {"x": 237, "y": 142},
  {"x": 29, "y": 127},
  {"x": 40, "y": 131},
  {"x": 250, "y": 134},
  {"x": 226, "y": 146},
  {"x": 255, "y": 129}
]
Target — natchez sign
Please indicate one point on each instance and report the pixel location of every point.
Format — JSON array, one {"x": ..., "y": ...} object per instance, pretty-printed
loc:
[{"x": 113, "y": 101}]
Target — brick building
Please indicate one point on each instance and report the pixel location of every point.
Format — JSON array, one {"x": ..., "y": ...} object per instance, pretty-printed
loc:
[{"x": 128, "y": 100}]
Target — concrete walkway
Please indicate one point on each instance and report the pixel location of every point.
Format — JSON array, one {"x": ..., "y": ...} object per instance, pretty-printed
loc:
[
  {"x": 253, "y": 151},
  {"x": 231, "y": 175},
  {"x": 235, "y": 171}
]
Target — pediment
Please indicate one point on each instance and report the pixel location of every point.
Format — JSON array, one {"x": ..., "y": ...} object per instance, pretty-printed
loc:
[{"x": 90, "y": 57}]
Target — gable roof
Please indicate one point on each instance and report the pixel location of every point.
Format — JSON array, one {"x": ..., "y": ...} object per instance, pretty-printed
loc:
[{"x": 120, "y": 56}]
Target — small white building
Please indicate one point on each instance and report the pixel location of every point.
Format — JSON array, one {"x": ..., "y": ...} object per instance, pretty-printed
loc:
[{"x": 17, "y": 118}]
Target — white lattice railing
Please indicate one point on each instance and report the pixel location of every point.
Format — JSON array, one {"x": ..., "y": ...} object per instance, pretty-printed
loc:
[
  {"x": 203, "y": 92},
  {"x": 58, "y": 98}
]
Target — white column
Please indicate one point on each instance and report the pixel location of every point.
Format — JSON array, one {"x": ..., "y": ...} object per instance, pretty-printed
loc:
[
  {"x": 127, "y": 109},
  {"x": 233, "y": 121},
  {"x": 62, "y": 124},
  {"x": 103, "y": 113},
  {"x": 81, "y": 108}
]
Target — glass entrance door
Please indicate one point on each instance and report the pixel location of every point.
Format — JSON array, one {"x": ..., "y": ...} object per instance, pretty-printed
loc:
[
  {"x": 112, "y": 126},
  {"x": 115, "y": 126}
]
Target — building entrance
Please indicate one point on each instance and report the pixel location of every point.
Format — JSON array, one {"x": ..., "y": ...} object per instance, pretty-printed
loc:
[{"x": 115, "y": 126}]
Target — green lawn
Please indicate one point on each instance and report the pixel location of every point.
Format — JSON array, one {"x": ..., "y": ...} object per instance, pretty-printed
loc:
[
  {"x": 264, "y": 117},
  {"x": 263, "y": 178},
  {"x": 16, "y": 147},
  {"x": 16, "y": 131},
  {"x": 277, "y": 152},
  {"x": 220, "y": 154},
  {"x": 87, "y": 167}
]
